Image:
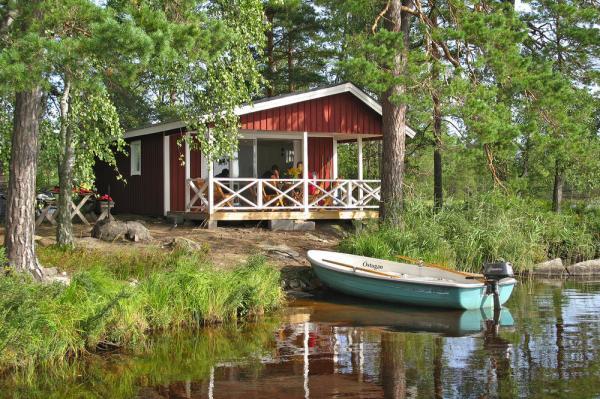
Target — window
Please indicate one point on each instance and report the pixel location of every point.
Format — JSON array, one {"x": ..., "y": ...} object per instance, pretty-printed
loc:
[{"x": 136, "y": 157}]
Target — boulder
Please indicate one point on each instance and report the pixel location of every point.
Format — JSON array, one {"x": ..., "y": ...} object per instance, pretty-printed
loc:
[
  {"x": 109, "y": 230},
  {"x": 280, "y": 251},
  {"x": 113, "y": 230},
  {"x": 137, "y": 232},
  {"x": 550, "y": 268},
  {"x": 184, "y": 245},
  {"x": 586, "y": 268}
]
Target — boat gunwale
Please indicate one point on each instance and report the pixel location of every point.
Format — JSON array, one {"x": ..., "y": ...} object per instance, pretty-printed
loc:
[{"x": 361, "y": 273}]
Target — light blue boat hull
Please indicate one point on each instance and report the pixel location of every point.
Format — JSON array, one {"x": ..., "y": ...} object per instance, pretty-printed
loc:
[{"x": 413, "y": 293}]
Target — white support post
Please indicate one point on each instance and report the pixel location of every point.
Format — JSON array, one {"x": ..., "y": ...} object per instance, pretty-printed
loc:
[
  {"x": 360, "y": 158},
  {"x": 188, "y": 160},
  {"x": 211, "y": 188},
  {"x": 305, "y": 171},
  {"x": 360, "y": 168},
  {"x": 255, "y": 157},
  {"x": 166, "y": 176}
]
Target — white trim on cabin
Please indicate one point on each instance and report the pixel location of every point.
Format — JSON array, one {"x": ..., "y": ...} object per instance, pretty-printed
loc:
[
  {"x": 275, "y": 103},
  {"x": 158, "y": 128}
]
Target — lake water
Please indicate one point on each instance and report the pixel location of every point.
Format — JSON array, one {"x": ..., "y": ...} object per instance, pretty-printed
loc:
[{"x": 546, "y": 346}]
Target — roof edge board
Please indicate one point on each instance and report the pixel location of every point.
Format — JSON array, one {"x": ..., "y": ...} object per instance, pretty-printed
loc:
[{"x": 158, "y": 128}]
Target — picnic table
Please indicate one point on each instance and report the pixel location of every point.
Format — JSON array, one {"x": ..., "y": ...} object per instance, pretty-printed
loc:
[{"x": 45, "y": 214}]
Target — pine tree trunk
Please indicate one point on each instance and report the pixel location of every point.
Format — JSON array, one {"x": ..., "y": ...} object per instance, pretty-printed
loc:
[
  {"x": 20, "y": 207},
  {"x": 64, "y": 228},
  {"x": 269, "y": 52},
  {"x": 290, "y": 63},
  {"x": 557, "y": 192},
  {"x": 438, "y": 189},
  {"x": 394, "y": 125}
]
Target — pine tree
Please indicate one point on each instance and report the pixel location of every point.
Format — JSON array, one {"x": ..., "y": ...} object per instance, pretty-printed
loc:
[
  {"x": 296, "y": 54},
  {"x": 565, "y": 34}
]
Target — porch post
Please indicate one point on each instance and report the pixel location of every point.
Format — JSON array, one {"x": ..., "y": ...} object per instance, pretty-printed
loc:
[
  {"x": 211, "y": 189},
  {"x": 360, "y": 158},
  {"x": 305, "y": 171},
  {"x": 360, "y": 168},
  {"x": 166, "y": 176},
  {"x": 187, "y": 172}
]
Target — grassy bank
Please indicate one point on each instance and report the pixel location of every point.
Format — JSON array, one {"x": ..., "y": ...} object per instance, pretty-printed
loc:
[
  {"x": 106, "y": 307},
  {"x": 164, "y": 360},
  {"x": 484, "y": 228}
]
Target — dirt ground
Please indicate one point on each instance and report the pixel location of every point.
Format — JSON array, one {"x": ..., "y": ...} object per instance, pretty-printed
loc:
[{"x": 229, "y": 245}]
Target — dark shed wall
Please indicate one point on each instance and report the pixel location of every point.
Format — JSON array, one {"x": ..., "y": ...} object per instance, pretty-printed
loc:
[
  {"x": 141, "y": 194},
  {"x": 177, "y": 170},
  {"x": 340, "y": 113}
]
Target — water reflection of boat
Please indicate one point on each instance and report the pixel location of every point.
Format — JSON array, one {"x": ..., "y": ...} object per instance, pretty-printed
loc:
[
  {"x": 346, "y": 311},
  {"x": 406, "y": 283}
]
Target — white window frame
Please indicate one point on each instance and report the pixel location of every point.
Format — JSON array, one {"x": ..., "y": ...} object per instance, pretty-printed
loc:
[{"x": 135, "y": 146}]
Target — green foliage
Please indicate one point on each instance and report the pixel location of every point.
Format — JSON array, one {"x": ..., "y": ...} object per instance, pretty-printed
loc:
[
  {"x": 484, "y": 228},
  {"x": 3, "y": 258},
  {"x": 296, "y": 53},
  {"x": 52, "y": 323}
]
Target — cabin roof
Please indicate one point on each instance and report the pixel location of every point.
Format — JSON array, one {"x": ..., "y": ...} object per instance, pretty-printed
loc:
[{"x": 276, "y": 102}]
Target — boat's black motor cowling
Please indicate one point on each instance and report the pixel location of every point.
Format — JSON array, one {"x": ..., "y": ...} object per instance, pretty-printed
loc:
[{"x": 497, "y": 270}]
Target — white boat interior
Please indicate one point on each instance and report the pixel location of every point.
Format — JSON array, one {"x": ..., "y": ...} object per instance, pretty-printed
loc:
[{"x": 389, "y": 270}]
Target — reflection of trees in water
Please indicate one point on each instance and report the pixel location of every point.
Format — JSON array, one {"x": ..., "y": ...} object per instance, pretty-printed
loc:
[
  {"x": 438, "y": 351},
  {"x": 498, "y": 350},
  {"x": 393, "y": 375},
  {"x": 557, "y": 299}
]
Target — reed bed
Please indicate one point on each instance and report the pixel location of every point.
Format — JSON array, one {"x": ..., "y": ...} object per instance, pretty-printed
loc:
[{"x": 465, "y": 234}]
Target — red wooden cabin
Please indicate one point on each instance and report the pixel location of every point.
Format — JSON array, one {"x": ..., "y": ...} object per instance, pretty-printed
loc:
[{"x": 283, "y": 130}]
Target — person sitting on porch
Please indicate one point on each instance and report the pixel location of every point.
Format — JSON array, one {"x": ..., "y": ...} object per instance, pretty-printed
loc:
[
  {"x": 273, "y": 174},
  {"x": 224, "y": 173}
]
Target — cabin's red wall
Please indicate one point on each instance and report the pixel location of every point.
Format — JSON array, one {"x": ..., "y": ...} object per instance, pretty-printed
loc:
[
  {"x": 320, "y": 157},
  {"x": 177, "y": 170},
  {"x": 141, "y": 194},
  {"x": 340, "y": 113}
]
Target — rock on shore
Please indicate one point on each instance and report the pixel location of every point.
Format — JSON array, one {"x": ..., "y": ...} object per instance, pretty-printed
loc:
[
  {"x": 556, "y": 269},
  {"x": 113, "y": 230}
]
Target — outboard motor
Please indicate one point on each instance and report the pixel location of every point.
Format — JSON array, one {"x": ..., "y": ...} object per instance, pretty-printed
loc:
[{"x": 493, "y": 273}]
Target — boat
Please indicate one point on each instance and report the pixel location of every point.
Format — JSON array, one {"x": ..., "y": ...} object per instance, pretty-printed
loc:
[{"x": 412, "y": 284}]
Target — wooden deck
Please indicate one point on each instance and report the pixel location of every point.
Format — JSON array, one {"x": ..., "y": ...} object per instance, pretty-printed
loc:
[{"x": 318, "y": 214}]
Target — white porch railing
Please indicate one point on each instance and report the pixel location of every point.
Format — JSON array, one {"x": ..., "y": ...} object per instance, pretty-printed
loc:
[{"x": 251, "y": 194}]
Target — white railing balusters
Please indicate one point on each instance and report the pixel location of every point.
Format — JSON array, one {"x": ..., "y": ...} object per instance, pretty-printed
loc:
[{"x": 251, "y": 194}]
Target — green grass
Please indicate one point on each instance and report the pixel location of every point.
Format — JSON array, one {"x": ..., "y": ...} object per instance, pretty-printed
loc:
[
  {"x": 49, "y": 324},
  {"x": 489, "y": 227}
]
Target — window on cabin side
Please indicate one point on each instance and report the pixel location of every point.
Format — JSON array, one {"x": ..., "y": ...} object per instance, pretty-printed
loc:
[{"x": 136, "y": 157}]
